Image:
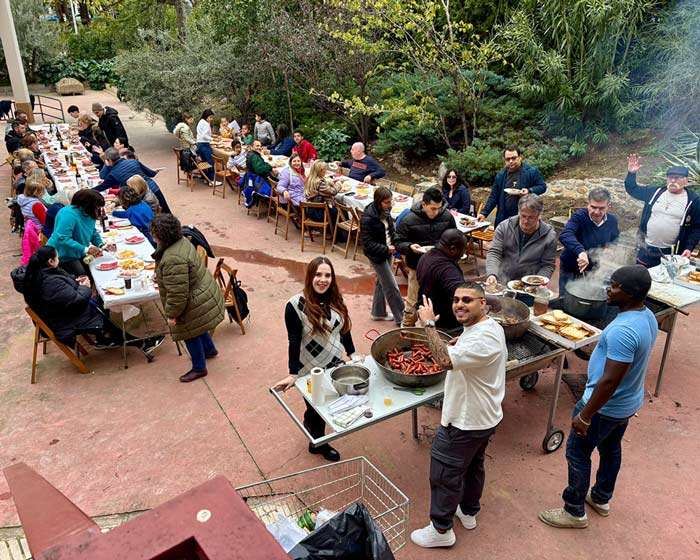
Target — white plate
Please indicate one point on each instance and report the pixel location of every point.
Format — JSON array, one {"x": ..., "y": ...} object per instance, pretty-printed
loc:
[
  {"x": 542, "y": 280},
  {"x": 425, "y": 249},
  {"x": 499, "y": 293},
  {"x": 550, "y": 293},
  {"x": 135, "y": 242},
  {"x": 511, "y": 191}
]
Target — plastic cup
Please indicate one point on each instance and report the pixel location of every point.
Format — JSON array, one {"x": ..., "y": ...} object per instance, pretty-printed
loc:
[{"x": 388, "y": 397}]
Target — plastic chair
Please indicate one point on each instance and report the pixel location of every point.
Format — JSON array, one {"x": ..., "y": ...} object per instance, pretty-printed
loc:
[
  {"x": 348, "y": 222},
  {"x": 310, "y": 223}
]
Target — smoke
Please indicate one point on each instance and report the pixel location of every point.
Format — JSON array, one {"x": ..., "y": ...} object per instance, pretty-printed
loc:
[{"x": 605, "y": 261}]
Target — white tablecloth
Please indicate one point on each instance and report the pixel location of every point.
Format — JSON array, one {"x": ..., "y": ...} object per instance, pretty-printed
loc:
[
  {"x": 400, "y": 201},
  {"x": 61, "y": 173}
]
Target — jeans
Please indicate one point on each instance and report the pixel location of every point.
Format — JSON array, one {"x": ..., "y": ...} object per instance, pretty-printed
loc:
[
  {"x": 198, "y": 347},
  {"x": 386, "y": 290},
  {"x": 605, "y": 434},
  {"x": 204, "y": 149},
  {"x": 457, "y": 473}
]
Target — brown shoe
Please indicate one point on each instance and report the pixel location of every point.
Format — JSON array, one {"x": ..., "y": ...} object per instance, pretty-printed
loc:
[
  {"x": 209, "y": 355},
  {"x": 192, "y": 375}
]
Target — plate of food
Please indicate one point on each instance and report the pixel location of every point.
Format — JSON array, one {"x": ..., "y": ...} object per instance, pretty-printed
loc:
[
  {"x": 111, "y": 265},
  {"x": 333, "y": 166},
  {"x": 401, "y": 198},
  {"x": 114, "y": 291},
  {"x": 535, "y": 280},
  {"x": 150, "y": 266},
  {"x": 126, "y": 254},
  {"x": 495, "y": 289},
  {"x": 426, "y": 249},
  {"x": 523, "y": 288},
  {"x": 131, "y": 264},
  {"x": 360, "y": 196},
  {"x": 121, "y": 223},
  {"x": 129, "y": 274},
  {"x": 569, "y": 331},
  {"x": 511, "y": 191},
  {"x": 467, "y": 221},
  {"x": 112, "y": 235},
  {"x": 134, "y": 240}
]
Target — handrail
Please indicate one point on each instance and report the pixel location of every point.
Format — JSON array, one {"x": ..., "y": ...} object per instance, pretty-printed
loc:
[{"x": 42, "y": 106}]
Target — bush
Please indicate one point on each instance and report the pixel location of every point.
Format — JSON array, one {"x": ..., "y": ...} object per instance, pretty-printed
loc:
[
  {"x": 96, "y": 73},
  {"x": 94, "y": 42},
  {"x": 331, "y": 144}
]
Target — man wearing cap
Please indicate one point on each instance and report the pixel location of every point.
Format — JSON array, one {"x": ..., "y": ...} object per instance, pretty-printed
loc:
[
  {"x": 671, "y": 217},
  {"x": 614, "y": 393},
  {"x": 110, "y": 123}
]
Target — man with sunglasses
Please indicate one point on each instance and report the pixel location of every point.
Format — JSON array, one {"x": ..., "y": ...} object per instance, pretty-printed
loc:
[
  {"x": 474, "y": 391},
  {"x": 671, "y": 216},
  {"x": 614, "y": 393},
  {"x": 516, "y": 179}
]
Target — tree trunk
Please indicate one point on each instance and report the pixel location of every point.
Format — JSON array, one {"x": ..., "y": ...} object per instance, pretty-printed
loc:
[
  {"x": 180, "y": 21},
  {"x": 60, "y": 8},
  {"x": 461, "y": 108},
  {"x": 84, "y": 13}
]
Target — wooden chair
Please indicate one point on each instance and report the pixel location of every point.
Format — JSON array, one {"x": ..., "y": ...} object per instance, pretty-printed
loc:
[
  {"x": 221, "y": 173},
  {"x": 189, "y": 175},
  {"x": 43, "y": 334},
  {"x": 177, "y": 164},
  {"x": 308, "y": 223},
  {"x": 347, "y": 221},
  {"x": 400, "y": 264},
  {"x": 482, "y": 237},
  {"x": 408, "y": 190},
  {"x": 226, "y": 287},
  {"x": 289, "y": 212},
  {"x": 262, "y": 197}
]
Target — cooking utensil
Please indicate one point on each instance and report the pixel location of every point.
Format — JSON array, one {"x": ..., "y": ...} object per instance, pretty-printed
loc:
[
  {"x": 350, "y": 379},
  {"x": 512, "y": 315},
  {"x": 397, "y": 338},
  {"x": 416, "y": 391},
  {"x": 585, "y": 300}
]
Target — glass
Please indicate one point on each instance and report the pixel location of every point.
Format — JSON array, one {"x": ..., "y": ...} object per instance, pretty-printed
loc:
[{"x": 388, "y": 397}]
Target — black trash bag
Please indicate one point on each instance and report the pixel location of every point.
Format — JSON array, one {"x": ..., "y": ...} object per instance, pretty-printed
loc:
[{"x": 350, "y": 535}]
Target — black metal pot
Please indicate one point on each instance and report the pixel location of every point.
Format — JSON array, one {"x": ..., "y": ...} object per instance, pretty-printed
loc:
[{"x": 585, "y": 301}]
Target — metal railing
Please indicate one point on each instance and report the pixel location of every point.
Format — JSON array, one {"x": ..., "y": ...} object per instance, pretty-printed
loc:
[{"x": 43, "y": 107}]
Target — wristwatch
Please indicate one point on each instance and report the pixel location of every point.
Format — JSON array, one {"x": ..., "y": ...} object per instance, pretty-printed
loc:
[{"x": 430, "y": 323}]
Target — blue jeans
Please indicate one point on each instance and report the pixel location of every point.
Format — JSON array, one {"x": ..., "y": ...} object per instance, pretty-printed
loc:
[
  {"x": 386, "y": 290},
  {"x": 605, "y": 434},
  {"x": 204, "y": 149},
  {"x": 198, "y": 347}
]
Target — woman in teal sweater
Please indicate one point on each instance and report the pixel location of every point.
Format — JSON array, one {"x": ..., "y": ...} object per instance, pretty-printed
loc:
[{"x": 74, "y": 234}]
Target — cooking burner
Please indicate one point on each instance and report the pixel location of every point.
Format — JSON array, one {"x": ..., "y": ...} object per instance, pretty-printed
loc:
[{"x": 528, "y": 347}]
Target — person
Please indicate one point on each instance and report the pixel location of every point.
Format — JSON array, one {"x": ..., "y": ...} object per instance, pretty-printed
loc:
[
  {"x": 183, "y": 132},
  {"x": 192, "y": 300},
  {"x": 362, "y": 167},
  {"x": 226, "y": 129},
  {"x": 21, "y": 180},
  {"x": 93, "y": 138},
  {"x": 455, "y": 192},
  {"x": 139, "y": 185},
  {"x": 588, "y": 228},
  {"x": 378, "y": 241},
  {"x": 74, "y": 235},
  {"x": 423, "y": 225},
  {"x": 30, "y": 242},
  {"x": 245, "y": 136},
  {"x": 670, "y": 220},
  {"x": 516, "y": 175},
  {"x": 30, "y": 142},
  {"x": 65, "y": 304},
  {"x": 117, "y": 171},
  {"x": 318, "y": 330},
  {"x": 20, "y": 116},
  {"x": 31, "y": 202},
  {"x": 263, "y": 130},
  {"x": 61, "y": 199},
  {"x": 522, "y": 245},
  {"x": 439, "y": 274},
  {"x": 121, "y": 143},
  {"x": 614, "y": 393},
  {"x": 13, "y": 139},
  {"x": 285, "y": 142},
  {"x": 236, "y": 160},
  {"x": 303, "y": 147},
  {"x": 110, "y": 123},
  {"x": 471, "y": 411},
  {"x": 73, "y": 111},
  {"x": 255, "y": 163},
  {"x": 135, "y": 210},
  {"x": 204, "y": 138},
  {"x": 319, "y": 188},
  {"x": 291, "y": 183}
]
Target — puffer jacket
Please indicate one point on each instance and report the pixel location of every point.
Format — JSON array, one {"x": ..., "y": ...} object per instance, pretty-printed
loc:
[
  {"x": 188, "y": 290},
  {"x": 30, "y": 241},
  {"x": 373, "y": 234},
  {"x": 416, "y": 227}
]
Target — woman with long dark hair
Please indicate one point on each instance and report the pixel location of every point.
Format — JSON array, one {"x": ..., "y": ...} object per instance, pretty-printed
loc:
[
  {"x": 64, "y": 304},
  {"x": 455, "y": 192},
  {"x": 204, "y": 138},
  {"x": 318, "y": 329}
]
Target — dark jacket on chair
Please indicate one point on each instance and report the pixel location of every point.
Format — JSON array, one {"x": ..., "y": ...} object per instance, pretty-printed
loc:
[{"x": 373, "y": 234}]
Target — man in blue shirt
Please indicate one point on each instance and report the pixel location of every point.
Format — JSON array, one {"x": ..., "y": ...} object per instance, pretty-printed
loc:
[
  {"x": 362, "y": 168},
  {"x": 614, "y": 393},
  {"x": 588, "y": 228}
]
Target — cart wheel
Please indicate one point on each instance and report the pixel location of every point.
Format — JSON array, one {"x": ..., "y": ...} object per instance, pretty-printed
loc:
[
  {"x": 553, "y": 441},
  {"x": 528, "y": 382}
]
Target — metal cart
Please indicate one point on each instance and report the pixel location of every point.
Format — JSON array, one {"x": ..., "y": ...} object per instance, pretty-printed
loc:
[{"x": 333, "y": 487}]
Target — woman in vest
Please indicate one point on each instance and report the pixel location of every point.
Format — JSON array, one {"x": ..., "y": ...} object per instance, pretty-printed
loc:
[{"x": 318, "y": 329}]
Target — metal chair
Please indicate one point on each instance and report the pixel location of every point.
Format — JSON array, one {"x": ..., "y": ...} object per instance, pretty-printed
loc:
[
  {"x": 347, "y": 221},
  {"x": 310, "y": 223}
]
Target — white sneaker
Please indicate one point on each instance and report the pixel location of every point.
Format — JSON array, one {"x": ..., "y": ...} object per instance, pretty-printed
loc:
[
  {"x": 468, "y": 521},
  {"x": 429, "y": 537},
  {"x": 600, "y": 509},
  {"x": 218, "y": 183},
  {"x": 387, "y": 317}
]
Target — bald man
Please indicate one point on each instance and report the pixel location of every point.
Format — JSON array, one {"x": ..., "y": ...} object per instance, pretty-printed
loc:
[
  {"x": 362, "y": 167},
  {"x": 439, "y": 275}
]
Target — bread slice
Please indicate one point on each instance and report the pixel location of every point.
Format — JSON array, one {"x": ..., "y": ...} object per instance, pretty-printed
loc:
[
  {"x": 552, "y": 328},
  {"x": 560, "y": 316},
  {"x": 573, "y": 333}
]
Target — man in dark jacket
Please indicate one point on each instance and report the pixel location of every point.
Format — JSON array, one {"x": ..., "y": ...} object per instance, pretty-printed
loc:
[
  {"x": 516, "y": 179},
  {"x": 587, "y": 229},
  {"x": 671, "y": 216},
  {"x": 110, "y": 123},
  {"x": 439, "y": 275},
  {"x": 422, "y": 226},
  {"x": 13, "y": 139}
]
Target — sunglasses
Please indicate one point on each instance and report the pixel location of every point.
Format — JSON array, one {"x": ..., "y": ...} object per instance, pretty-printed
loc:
[
  {"x": 464, "y": 299},
  {"x": 452, "y": 176},
  {"x": 511, "y": 158}
]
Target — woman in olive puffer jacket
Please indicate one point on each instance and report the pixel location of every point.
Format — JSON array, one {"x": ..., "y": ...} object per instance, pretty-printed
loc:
[{"x": 192, "y": 300}]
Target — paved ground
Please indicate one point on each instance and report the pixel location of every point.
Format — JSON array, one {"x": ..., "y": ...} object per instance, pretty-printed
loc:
[{"x": 120, "y": 441}]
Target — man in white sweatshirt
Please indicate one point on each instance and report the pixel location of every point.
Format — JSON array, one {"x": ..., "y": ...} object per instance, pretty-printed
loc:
[{"x": 474, "y": 391}]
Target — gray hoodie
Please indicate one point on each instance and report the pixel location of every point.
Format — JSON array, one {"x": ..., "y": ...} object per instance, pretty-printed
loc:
[{"x": 508, "y": 262}]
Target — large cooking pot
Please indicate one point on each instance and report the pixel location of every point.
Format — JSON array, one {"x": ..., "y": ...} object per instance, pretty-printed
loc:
[
  {"x": 402, "y": 340},
  {"x": 585, "y": 300},
  {"x": 511, "y": 314}
]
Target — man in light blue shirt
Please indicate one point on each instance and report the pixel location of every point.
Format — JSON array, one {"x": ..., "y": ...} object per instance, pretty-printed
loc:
[{"x": 614, "y": 392}]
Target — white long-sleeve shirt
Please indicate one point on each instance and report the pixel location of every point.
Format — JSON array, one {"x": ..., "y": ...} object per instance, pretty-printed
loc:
[
  {"x": 475, "y": 388},
  {"x": 204, "y": 131}
]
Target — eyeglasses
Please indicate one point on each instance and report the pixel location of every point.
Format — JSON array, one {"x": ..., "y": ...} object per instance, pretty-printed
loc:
[
  {"x": 511, "y": 158},
  {"x": 464, "y": 299}
]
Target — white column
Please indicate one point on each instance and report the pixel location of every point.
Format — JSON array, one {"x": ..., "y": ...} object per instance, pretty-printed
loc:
[{"x": 13, "y": 59}]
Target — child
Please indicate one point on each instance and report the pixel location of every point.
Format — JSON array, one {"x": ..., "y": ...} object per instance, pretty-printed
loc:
[
  {"x": 30, "y": 241},
  {"x": 135, "y": 210},
  {"x": 245, "y": 136},
  {"x": 236, "y": 161}
]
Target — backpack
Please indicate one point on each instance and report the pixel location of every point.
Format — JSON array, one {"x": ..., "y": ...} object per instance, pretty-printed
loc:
[
  {"x": 16, "y": 216},
  {"x": 17, "y": 276},
  {"x": 239, "y": 293}
]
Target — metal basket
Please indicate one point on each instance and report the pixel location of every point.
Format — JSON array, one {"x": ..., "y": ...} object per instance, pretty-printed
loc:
[{"x": 333, "y": 487}]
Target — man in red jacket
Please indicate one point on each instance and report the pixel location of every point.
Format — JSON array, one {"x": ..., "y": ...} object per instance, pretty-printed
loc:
[{"x": 303, "y": 147}]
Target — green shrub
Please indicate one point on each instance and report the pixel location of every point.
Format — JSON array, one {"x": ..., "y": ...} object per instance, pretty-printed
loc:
[
  {"x": 331, "y": 144},
  {"x": 412, "y": 139},
  {"x": 95, "y": 72},
  {"x": 94, "y": 42}
]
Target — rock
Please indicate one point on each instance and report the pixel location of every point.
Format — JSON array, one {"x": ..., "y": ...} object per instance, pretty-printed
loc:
[{"x": 69, "y": 86}]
